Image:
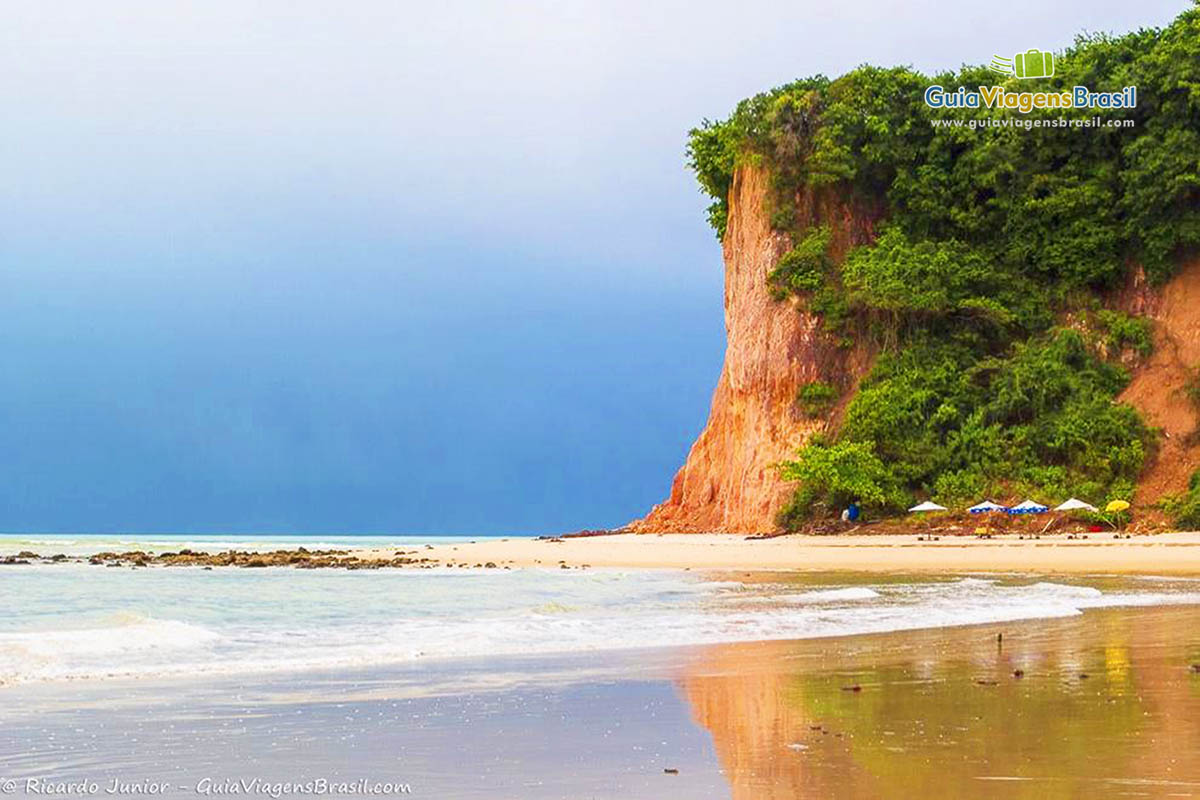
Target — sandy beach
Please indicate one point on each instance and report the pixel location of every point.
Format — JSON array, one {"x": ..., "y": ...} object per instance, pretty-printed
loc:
[
  {"x": 1158, "y": 554},
  {"x": 1098, "y": 705}
]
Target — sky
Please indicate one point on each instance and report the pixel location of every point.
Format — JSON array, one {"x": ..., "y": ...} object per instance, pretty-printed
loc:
[{"x": 388, "y": 267}]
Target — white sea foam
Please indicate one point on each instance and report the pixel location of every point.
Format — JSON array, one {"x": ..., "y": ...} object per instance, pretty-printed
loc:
[
  {"x": 832, "y": 595},
  {"x": 239, "y": 621}
]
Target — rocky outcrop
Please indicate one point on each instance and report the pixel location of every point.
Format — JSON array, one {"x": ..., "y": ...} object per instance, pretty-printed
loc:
[
  {"x": 729, "y": 482},
  {"x": 300, "y": 558},
  {"x": 1158, "y": 388}
]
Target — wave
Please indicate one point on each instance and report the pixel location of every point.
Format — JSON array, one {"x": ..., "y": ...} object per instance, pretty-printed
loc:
[
  {"x": 833, "y": 595},
  {"x": 432, "y": 617},
  {"x": 97, "y": 651}
]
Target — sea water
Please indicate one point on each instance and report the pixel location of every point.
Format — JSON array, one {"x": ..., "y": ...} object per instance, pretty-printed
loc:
[{"x": 75, "y": 621}]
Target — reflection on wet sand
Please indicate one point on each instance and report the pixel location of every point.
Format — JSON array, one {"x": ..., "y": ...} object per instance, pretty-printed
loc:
[{"x": 1098, "y": 705}]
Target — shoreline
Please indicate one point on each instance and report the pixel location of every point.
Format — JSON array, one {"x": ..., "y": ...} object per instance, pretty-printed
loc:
[
  {"x": 1167, "y": 554},
  {"x": 1079, "y": 706}
]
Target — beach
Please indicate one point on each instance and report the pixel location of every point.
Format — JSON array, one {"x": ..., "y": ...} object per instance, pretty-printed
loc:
[
  {"x": 1154, "y": 554},
  {"x": 1101, "y": 704},
  {"x": 651, "y": 666}
]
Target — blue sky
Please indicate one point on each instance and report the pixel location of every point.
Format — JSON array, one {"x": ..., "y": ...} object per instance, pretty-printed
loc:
[{"x": 387, "y": 267}]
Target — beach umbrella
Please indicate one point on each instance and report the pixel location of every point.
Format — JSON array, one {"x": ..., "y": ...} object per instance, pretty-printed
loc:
[
  {"x": 1028, "y": 507},
  {"x": 985, "y": 507},
  {"x": 928, "y": 505},
  {"x": 1075, "y": 505},
  {"x": 1116, "y": 505}
]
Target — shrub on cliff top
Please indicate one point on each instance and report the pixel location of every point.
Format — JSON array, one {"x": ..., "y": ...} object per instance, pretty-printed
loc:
[{"x": 1062, "y": 206}]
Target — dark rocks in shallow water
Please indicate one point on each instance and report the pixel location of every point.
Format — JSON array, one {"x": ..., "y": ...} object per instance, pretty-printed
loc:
[
  {"x": 854, "y": 688},
  {"x": 670, "y": 771},
  {"x": 27, "y": 554},
  {"x": 1018, "y": 673},
  {"x": 300, "y": 558}
]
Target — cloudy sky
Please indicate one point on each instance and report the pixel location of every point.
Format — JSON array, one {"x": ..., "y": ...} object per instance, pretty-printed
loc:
[{"x": 369, "y": 266}]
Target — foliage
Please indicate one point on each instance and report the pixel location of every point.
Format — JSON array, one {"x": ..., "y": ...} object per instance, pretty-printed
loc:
[
  {"x": 1184, "y": 508},
  {"x": 1064, "y": 207},
  {"x": 1123, "y": 330},
  {"x": 926, "y": 278},
  {"x": 712, "y": 150},
  {"x": 991, "y": 233},
  {"x": 815, "y": 397},
  {"x": 803, "y": 268},
  {"x": 1041, "y": 420},
  {"x": 834, "y": 475}
]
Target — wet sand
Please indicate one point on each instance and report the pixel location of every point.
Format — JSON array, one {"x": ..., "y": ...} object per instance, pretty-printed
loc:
[
  {"x": 1102, "y": 705},
  {"x": 937, "y": 714},
  {"x": 1157, "y": 554}
]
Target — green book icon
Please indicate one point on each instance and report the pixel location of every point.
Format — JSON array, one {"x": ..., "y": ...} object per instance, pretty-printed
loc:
[{"x": 1033, "y": 64}]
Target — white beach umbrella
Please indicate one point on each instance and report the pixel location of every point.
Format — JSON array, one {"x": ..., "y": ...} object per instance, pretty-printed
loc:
[
  {"x": 928, "y": 505},
  {"x": 1028, "y": 507},
  {"x": 986, "y": 506},
  {"x": 1075, "y": 505}
]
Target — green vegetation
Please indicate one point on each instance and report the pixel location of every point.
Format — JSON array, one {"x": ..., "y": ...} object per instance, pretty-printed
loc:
[
  {"x": 1184, "y": 508},
  {"x": 834, "y": 475},
  {"x": 816, "y": 397},
  {"x": 990, "y": 235},
  {"x": 804, "y": 267},
  {"x": 1124, "y": 331},
  {"x": 948, "y": 422}
]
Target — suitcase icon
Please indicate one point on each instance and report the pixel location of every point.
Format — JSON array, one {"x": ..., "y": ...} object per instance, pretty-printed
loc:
[{"x": 1033, "y": 64}]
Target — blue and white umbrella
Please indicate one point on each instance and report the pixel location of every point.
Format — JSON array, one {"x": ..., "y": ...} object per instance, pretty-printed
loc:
[
  {"x": 1028, "y": 507},
  {"x": 986, "y": 507}
]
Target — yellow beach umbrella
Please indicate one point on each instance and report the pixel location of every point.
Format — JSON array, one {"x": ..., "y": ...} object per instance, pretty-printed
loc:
[{"x": 1116, "y": 505}]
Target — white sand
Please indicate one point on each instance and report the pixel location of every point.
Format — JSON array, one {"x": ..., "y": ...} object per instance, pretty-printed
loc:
[{"x": 1160, "y": 554}]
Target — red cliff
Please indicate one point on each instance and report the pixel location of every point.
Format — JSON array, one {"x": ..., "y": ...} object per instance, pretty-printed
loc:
[
  {"x": 1159, "y": 387},
  {"x": 729, "y": 482}
]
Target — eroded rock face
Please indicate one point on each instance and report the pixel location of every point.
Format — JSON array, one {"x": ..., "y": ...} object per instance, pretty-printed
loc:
[
  {"x": 1159, "y": 387},
  {"x": 730, "y": 482}
]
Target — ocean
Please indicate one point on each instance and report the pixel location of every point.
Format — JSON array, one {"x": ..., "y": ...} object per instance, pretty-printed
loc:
[{"x": 74, "y": 621}]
